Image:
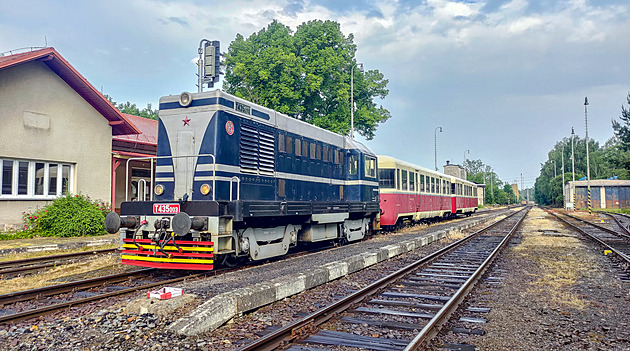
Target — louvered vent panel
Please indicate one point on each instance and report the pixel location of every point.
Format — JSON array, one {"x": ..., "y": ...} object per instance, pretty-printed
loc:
[
  {"x": 249, "y": 149},
  {"x": 266, "y": 160},
  {"x": 257, "y": 150}
]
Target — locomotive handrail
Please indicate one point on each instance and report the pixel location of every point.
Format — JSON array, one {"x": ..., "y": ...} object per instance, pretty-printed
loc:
[
  {"x": 142, "y": 182},
  {"x": 155, "y": 158},
  {"x": 238, "y": 187}
]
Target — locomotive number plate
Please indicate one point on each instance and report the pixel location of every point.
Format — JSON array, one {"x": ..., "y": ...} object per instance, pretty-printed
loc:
[{"x": 165, "y": 208}]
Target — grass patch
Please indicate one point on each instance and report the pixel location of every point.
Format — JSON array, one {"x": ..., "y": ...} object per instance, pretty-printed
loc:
[{"x": 560, "y": 262}]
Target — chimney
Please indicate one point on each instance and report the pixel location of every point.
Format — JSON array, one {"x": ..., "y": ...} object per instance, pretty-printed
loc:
[{"x": 448, "y": 162}]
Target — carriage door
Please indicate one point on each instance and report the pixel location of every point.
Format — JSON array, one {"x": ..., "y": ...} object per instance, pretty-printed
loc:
[
  {"x": 184, "y": 166},
  {"x": 453, "y": 198}
]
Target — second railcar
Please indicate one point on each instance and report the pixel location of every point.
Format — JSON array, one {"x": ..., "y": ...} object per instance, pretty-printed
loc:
[{"x": 410, "y": 193}]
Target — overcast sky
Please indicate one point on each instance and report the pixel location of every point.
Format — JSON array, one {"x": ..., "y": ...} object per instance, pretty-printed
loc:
[{"x": 505, "y": 79}]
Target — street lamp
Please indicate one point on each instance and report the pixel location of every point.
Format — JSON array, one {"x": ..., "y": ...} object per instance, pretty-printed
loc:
[
  {"x": 467, "y": 151},
  {"x": 435, "y": 144},
  {"x": 360, "y": 67}
]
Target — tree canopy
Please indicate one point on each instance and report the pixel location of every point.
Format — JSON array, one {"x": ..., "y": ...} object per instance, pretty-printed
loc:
[
  {"x": 496, "y": 191},
  {"x": 132, "y": 109},
  {"x": 307, "y": 75}
]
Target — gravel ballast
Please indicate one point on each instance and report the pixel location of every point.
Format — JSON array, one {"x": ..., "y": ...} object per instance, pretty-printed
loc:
[{"x": 551, "y": 290}]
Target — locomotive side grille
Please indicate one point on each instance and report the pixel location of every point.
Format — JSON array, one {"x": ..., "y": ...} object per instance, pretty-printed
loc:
[
  {"x": 257, "y": 151},
  {"x": 249, "y": 149},
  {"x": 266, "y": 152}
]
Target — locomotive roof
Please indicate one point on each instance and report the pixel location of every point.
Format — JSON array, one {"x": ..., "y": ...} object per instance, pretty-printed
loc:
[
  {"x": 394, "y": 160},
  {"x": 209, "y": 100}
]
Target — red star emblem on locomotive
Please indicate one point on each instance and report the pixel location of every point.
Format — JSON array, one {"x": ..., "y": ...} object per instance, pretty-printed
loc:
[{"x": 186, "y": 121}]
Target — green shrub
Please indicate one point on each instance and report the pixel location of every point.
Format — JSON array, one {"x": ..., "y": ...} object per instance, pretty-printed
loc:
[{"x": 69, "y": 215}]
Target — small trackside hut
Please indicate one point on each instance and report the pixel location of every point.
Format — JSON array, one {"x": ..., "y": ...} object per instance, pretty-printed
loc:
[
  {"x": 410, "y": 193},
  {"x": 237, "y": 180}
]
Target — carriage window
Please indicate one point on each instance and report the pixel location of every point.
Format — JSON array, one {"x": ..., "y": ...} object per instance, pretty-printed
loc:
[
  {"x": 281, "y": 185},
  {"x": 318, "y": 152},
  {"x": 404, "y": 180},
  {"x": 422, "y": 182},
  {"x": 370, "y": 166},
  {"x": 386, "y": 178},
  {"x": 475, "y": 191},
  {"x": 289, "y": 144},
  {"x": 433, "y": 185},
  {"x": 281, "y": 144},
  {"x": 412, "y": 181},
  {"x": 312, "y": 151},
  {"x": 298, "y": 147},
  {"x": 304, "y": 148},
  {"x": 330, "y": 155},
  {"x": 353, "y": 164},
  {"x": 325, "y": 156}
]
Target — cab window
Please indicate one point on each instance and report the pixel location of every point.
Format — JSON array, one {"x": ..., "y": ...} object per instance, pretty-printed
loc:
[
  {"x": 370, "y": 166},
  {"x": 353, "y": 164}
]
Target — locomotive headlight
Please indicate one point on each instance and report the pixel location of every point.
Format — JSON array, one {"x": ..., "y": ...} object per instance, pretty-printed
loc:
[
  {"x": 205, "y": 189},
  {"x": 159, "y": 189},
  {"x": 185, "y": 99}
]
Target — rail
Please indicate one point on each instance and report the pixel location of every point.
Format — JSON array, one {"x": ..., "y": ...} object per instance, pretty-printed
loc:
[{"x": 298, "y": 328}]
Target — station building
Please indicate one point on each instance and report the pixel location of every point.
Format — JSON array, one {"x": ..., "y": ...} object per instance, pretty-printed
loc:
[
  {"x": 605, "y": 193},
  {"x": 59, "y": 134}
]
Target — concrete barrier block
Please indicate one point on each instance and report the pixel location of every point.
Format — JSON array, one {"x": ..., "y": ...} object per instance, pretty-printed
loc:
[
  {"x": 288, "y": 286},
  {"x": 315, "y": 277},
  {"x": 207, "y": 317},
  {"x": 336, "y": 270},
  {"x": 408, "y": 245},
  {"x": 355, "y": 263},
  {"x": 382, "y": 254},
  {"x": 370, "y": 259},
  {"x": 255, "y": 296}
]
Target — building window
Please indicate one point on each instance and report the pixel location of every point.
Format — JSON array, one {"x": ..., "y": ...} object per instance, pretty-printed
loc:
[{"x": 22, "y": 179}]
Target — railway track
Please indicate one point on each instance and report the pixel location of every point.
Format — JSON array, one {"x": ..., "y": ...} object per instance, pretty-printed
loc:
[
  {"x": 22, "y": 305},
  {"x": 420, "y": 296},
  {"x": 14, "y": 268},
  {"x": 617, "y": 242}
]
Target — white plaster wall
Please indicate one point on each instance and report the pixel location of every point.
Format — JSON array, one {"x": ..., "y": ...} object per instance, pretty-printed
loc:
[{"x": 76, "y": 133}]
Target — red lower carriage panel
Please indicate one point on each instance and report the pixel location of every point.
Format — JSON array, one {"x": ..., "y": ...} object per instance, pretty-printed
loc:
[{"x": 193, "y": 255}]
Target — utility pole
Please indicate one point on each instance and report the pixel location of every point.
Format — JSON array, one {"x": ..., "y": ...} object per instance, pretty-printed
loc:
[
  {"x": 573, "y": 167},
  {"x": 522, "y": 188},
  {"x": 588, "y": 166},
  {"x": 564, "y": 200}
]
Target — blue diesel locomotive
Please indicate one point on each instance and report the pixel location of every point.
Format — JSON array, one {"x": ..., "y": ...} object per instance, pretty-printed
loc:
[{"x": 237, "y": 180}]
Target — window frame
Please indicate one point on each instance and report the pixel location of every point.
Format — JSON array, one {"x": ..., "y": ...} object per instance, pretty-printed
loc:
[{"x": 31, "y": 179}]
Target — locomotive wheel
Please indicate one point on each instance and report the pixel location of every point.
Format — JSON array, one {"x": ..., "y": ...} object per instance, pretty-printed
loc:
[{"x": 231, "y": 261}]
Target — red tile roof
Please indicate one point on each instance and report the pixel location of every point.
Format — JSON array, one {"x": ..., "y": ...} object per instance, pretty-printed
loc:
[
  {"x": 148, "y": 131},
  {"x": 120, "y": 124}
]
